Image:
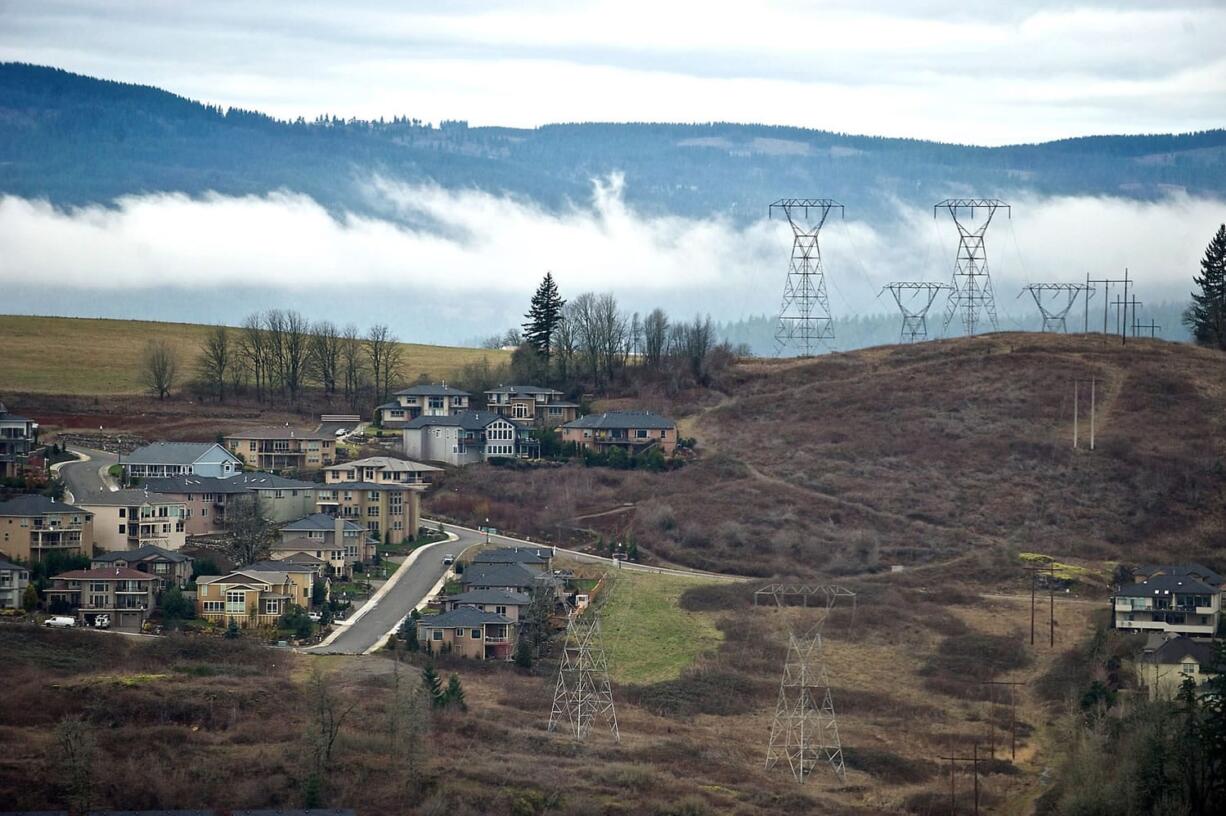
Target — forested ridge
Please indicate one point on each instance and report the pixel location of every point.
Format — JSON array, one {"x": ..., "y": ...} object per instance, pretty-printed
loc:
[{"x": 73, "y": 140}]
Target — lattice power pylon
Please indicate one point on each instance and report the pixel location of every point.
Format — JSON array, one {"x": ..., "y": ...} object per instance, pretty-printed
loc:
[
  {"x": 583, "y": 694},
  {"x": 972, "y": 290},
  {"x": 914, "y": 299},
  {"x": 1054, "y": 313},
  {"x": 805, "y": 731},
  {"x": 804, "y": 316}
]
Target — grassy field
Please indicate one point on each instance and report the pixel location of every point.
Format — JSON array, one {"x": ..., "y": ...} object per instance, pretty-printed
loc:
[
  {"x": 64, "y": 355},
  {"x": 649, "y": 637}
]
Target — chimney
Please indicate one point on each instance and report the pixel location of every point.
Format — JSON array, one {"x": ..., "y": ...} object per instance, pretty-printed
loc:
[{"x": 338, "y": 527}]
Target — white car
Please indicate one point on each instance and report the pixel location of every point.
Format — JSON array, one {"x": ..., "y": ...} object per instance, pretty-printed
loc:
[
  {"x": 60, "y": 622},
  {"x": 448, "y": 559},
  {"x": 102, "y": 621}
]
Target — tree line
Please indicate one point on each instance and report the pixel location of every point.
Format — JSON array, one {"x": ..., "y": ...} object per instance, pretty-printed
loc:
[{"x": 276, "y": 354}]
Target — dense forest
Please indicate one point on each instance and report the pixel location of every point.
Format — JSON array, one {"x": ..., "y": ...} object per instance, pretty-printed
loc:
[{"x": 72, "y": 139}]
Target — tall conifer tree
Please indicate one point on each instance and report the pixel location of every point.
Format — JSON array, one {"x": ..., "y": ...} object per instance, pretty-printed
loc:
[
  {"x": 543, "y": 316},
  {"x": 1206, "y": 317}
]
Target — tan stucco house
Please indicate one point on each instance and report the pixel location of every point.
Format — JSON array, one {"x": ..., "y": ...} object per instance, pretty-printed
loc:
[
  {"x": 33, "y": 526},
  {"x": 468, "y": 632},
  {"x": 283, "y": 448},
  {"x": 633, "y": 431},
  {"x": 125, "y": 595}
]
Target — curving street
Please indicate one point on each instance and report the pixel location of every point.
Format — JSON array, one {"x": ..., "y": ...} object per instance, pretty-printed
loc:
[{"x": 81, "y": 478}]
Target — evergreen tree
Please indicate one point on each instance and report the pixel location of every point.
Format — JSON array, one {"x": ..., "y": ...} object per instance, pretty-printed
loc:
[
  {"x": 232, "y": 630},
  {"x": 523, "y": 654},
  {"x": 433, "y": 685},
  {"x": 543, "y": 317},
  {"x": 1206, "y": 317},
  {"x": 29, "y": 600},
  {"x": 455, "y": 693}
]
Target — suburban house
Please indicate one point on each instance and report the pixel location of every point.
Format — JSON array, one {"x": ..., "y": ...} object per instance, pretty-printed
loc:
[
  {"x": 505, "y": 577},
  {"x": 130, "y": 519},
  {"x": 469, "y": 632},
  {"x": 1179, "y": 599},
  {"x": 381, "y": 470},
  {"x": 124, "y": 595},
  {"x": 421, "y": 400},
  {"x": 33, "y": 526},
  {"x": 17, "y": 436},
  {"x": 162, "y": 459},
  {"x": 499, "y": 601},
  {"x": 302, "y": 574},
  {"x": 1167, "y": 660},
  {"x": 531, "y": 405},
  {"x": 282, "y": 498},
  {"x": 390, "y": 512},
  {"x": 14, "y": 579},
  {"x": 248, "y": 597},
  {"x": 536, "y": 558},
  {"x": 461, "y": 439},
  {"x": 170, "y": 568},
  {"x": 334, "y": 539},
  {"x": 633, "y": 431},
  {"x": 283, "y": 448},
  {"x": 205, "y": 499},
  {"x": 319, "y": 566}
]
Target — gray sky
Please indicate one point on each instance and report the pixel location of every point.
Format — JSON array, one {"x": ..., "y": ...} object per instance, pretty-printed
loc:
[{"x": 982, "y": 72}]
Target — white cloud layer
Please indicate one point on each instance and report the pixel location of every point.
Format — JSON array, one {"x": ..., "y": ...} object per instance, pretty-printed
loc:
[
  {"x": 483, "y": 254},
  {"x": 996, "y": 72}
]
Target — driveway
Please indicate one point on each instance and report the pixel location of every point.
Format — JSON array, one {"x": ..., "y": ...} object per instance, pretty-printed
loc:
[{"x": 83, "y": 478}]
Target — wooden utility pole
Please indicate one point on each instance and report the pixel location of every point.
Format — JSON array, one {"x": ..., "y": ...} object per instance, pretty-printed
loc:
[
  {"x": 1050, "y": 568},
  {"x": 1091, "y": 413},
  {"x": 1012, "y": 684},
  {"x": 1076, "y": 388},
  {"x": 953, "y": 762}
]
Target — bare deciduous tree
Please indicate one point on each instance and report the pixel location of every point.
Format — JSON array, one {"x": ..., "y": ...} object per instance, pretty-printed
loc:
[
  {"x": 253, "y": 352},
  {"x": 250, "y": 533},
  {"x": 76, "y": 749},
  {"x": 216, "y": 360},
  {"x": 384, "y": 354},
  {"x": 655, "y": 339},
  {"x": 159, "y": 368},
  {"x": 325, "y": 355},
  {"x": 352, "y": 362}
]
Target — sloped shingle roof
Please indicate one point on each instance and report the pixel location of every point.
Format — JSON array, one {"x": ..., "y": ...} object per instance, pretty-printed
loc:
[
  {"x": 509, "y": 575},
  {"x": 141, "y": 553},
  {"x": 621, "y": 420},
  {"x": 171, "y": 453},
  {"x": 468, "y": 420},
  {"x": 1165, "y": 585},
  {"x": 464, "y": 616},
  {"x": 427, "y": 390},
  {"x": 33, "y": 504}
]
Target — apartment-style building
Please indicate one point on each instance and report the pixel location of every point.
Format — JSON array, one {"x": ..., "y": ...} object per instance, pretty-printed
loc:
[
  {"x": 169, "y": 567},
  {"x": 422, "y": 400},
  {"x": 1182, "y": 599},
  {"x": 34, "y": 526},
  {"x": 632, "y": 431},
  {"x": 381, "y": 470},
  {"x": 18, "y": 435},
  {"x": 499, "y": 601},
  {"x": 531, "y": 405},
  {"x": 205, "y": 500},
  {"x": 469, "y": 632},
  {"x": 283, "y": 499},
  {"x": 124, "y": 595},
  {"x": 14, "y": 578},
  {"x": 461, "y": 439},
  {"x": 283, "y": 448},
  {"x": 249, "y": 597},
  {"x": 389, "y": 512},
  {"x": 131, "y": 519},
  {"x": 161, "y": 460}
]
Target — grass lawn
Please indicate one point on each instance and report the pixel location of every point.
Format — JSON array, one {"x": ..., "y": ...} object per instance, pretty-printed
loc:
[
  {"x": 406, "y": 547},
  {"x": 66, "y": 355},
  {"x": 649, "y": 637}
]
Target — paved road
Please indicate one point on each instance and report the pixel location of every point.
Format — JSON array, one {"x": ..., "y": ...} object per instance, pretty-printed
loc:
[
  {"x": 83, "y": 478},
  {"x": 412, "y": 584}
]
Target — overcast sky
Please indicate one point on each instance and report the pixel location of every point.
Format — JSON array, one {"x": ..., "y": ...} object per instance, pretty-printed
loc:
[{"x": 986, "y": 72}]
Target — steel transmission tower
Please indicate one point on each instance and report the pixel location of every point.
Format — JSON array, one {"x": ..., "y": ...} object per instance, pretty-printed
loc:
[
  {"x": 914, "y": 299},
  {"x": 583, "y": 694},
  {"x": 972, "y": 289},
  {"x": 804, "y": 316},
  {"x": 1054, "y": 314},
  {"x": 805, "y": 730}
]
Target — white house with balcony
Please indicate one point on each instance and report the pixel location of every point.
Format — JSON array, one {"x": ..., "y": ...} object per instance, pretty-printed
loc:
[
  {"x": 422, "y": 400},
  {"x": 1170, "y": 600}
]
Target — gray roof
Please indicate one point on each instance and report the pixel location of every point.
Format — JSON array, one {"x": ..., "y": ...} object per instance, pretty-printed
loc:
[
  {"x": 468, "y": 420},
  {"x": 525, "y": 390},
  {"x": 5, "y": 416},
  {"x": 277, "y": 576},
  {"x": 396, "y": 486},
  {"x": 507, "y": 575},
  {"x": 125, "y": 498},
  {"x": 1197, "y": 570},
  {"x": 9, "y": 565},
  {"x": 171, "y": 453},
  {"x": 303, "y": 558},
  {"x": 464, "y": 616},
  {"x": 1175, "y": 649},
  {"x": 280, "y": 432},
  {"x": 275, "y": 565},
  {"x": 622, "y": 420},
  {"x": 141, "y": 553},
  {"x": 1165, "y": 585},
  {"x": 34, "y": 504},
  {"x": 427, "y": 390},
  {"x": 194, "y": 484},
  {"x": 318, "y": 521},
  {"x": 257, "y": 480},
  {"x": 491, "y": 596},
  {"x": 384, "y": 463},
  {"x": 536, "y": 556}
]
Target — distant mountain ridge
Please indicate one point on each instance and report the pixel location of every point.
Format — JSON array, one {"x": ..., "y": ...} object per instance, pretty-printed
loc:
[{"x": 76, "y": 140}]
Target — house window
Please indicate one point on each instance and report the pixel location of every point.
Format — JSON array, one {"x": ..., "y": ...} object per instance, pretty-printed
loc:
[
  {"x": 121, "y": 528},
  {"x": 476, "y": 633},
  {"x": 123, "y": 514},
  {"x": 236, "y": 601},
  {"x": 214, "y": 606},
  {"x": 640, "y": 434},
  {"x": 1190, "y": 668},
  {"x": 97, "y": 601},
  {"x": 501, "y": 610},
  {"x": 459, "y": 633},
  {"x": 436, "y": 634},
  {"x": 97, "y": 586},
  {"x": 436, "y": 402}
]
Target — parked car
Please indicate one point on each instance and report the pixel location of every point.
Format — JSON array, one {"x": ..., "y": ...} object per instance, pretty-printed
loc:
[
  {"x": 448, "y": 559},
  {"x": 60, "y": 622},
  {"x": 102, "y": 621}
]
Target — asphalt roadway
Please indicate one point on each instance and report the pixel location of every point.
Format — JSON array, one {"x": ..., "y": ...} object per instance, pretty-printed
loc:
[{"x": 84, "y": 478}]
